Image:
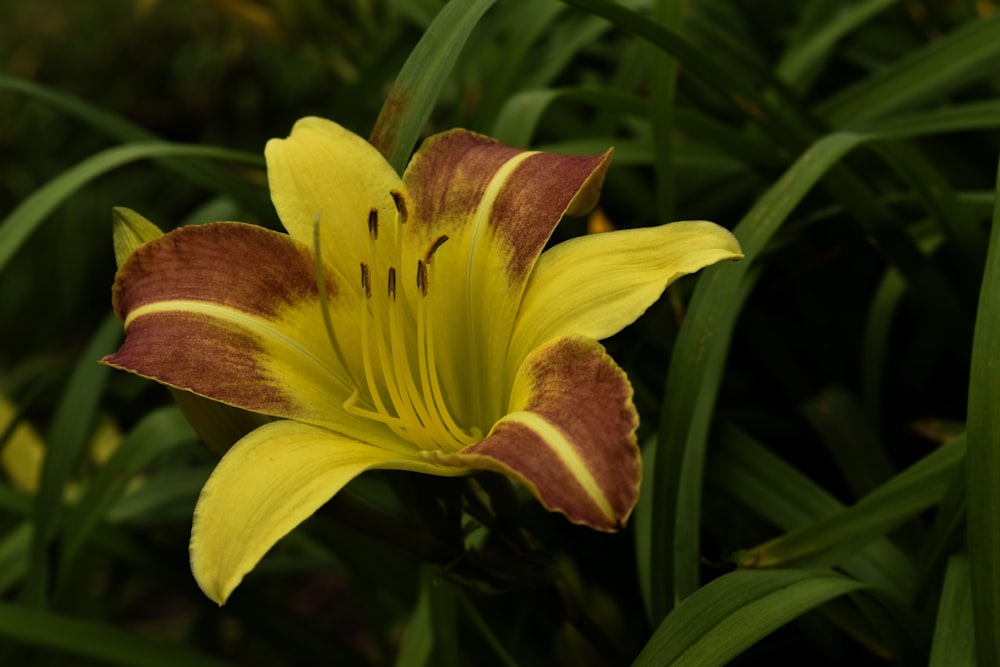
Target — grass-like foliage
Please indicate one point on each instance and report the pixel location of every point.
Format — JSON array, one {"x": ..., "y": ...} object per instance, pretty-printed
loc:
[{"x": 820, "y": 422}]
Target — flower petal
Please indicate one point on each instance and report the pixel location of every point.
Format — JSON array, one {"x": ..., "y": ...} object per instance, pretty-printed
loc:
[
  {"x": 596, "y": 285},
  {"x": 498, "y": 206},
  {"x": 267, "y": 484},
  {"x": 232, "y": 312},
  {"x": 570, "y": 435},
  {"x": 325, "y": 172}
]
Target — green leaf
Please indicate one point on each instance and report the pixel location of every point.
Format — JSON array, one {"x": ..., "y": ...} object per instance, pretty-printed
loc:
[
  {"x": 14, "y": 547},
  {"x": 698, "y": 360},
  {"x": 804, "y": 57},
  {"x": 944, "y": 65},
  {"x": 523, "y": 62},
  {"x": 169, "y": 492},
  {"x": 955, "y": 118},
  {"x": 849, "y": 438},
  {"x": 431, "y": 637},
  {"x": 695, "y": 372},
  {"x": 158, "y": 432},
  {"x": 67, "y": 438},
  {"x": 769, "y": 486},
  {"x": 954, "y": 644},
  {"x": 518, "y": 118},
  {"x": 415, "y": 91},
  {"x": 831, "y": 539},
  {"x": 663, "y": 95},
  {"x": 117, "y": 127},
  {"x": 27, "y": 217},
  {"x": 742, "y": 91},
  {"x": 721, "y": 620},
  {"x": 476, "y": 620},
  {"x": 94, "y": 641},
  {"x": 966, "y": 240},
  {"x": 983, "y": 467}
]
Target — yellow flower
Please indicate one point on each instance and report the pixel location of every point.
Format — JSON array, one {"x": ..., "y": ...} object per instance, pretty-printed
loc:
[{"x": 406, "y": 323}]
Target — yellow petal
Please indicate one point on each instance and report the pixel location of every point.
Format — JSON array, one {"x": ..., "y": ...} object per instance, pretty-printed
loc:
[
  {"x": 267, "y": 484},
  {"x": 597, "y": 285},
  {"x": 325, "y": 172}
]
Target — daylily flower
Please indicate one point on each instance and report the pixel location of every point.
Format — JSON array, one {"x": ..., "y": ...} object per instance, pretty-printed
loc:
[{"x": 406, "y": 323}]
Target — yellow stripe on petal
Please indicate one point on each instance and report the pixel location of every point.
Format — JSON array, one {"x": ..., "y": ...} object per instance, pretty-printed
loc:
[
  {"x": 596, "y": 285},
  {"x": 570, "y": 457},
  {"x": 497, "y": 206},
  {"x": 232, "y": 312},
  {"x": 267, "y": 484},
  {"x": 570, "y": 435}
]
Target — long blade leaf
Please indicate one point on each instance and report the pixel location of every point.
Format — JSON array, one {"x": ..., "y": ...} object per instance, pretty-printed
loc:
[
  {"x": 415, "y": 91},
  {"x": 983, "y": 467},
  {"x": 722, "y": 619}
]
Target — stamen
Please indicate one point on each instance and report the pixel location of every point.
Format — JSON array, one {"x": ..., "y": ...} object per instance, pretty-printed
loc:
[
  {"x": 418, "y": 415},
  {"x": 416, "y": 404},
  {"x": 366, "y": 284},
  {"x": 421, "y": 277},
  {"x": 390, "y": 358},
  {"x": 429, "y": 382},
  {"x": 400, "y": 202},
  {"x": 438, "y": 242},
  {"x": 394, "y": 423}
]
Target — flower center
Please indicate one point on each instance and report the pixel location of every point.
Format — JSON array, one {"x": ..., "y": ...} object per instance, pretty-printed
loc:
[{"x": 401, "y": 382}]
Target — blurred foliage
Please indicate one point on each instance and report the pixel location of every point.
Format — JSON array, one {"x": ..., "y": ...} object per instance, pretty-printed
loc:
[{"x": 799, "y": 402}]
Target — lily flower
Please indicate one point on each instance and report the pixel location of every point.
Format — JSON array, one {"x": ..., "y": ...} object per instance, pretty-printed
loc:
[{"x": 409, "y": 323}]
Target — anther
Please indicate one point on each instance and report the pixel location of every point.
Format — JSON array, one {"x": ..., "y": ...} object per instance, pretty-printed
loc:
[
  {"x": 366, "y": 284},
  {"x": 373, "y": 223},
  {"x": 422, "y": 277},
  {"x": 392, "y": 283},
  {"x": 438, "y": 242},
  {"x": 400, "y": 202}
]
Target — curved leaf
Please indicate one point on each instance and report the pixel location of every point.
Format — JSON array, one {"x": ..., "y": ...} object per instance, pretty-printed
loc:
[{"x": 725, "y": 617}]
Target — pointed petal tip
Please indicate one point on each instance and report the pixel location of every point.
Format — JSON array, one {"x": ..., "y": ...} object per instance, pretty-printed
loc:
[
  {"x": 129, "y": 231},
  {"x": 588, "y": 194}
]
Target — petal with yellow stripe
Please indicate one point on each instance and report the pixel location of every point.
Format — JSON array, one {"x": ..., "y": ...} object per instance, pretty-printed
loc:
[
  {"x": 232, "y": 312},
  {"x": 569, "y": 436},
  {"x": 497, "y": 206}
]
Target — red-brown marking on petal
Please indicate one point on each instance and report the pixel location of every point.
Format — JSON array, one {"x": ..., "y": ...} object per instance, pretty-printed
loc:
[
  {"x": 229, "y": 263},
  {"x": 534, "y": 197},
  {"x": 198, "y": 353},
  {"x": 448, "y": 177},
  {"x": 450, "y": 172},
  {"x": 581, "y": 391}
]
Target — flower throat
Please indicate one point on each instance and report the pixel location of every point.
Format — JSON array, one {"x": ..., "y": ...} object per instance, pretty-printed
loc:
[{"x": 401, "y": 386}]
